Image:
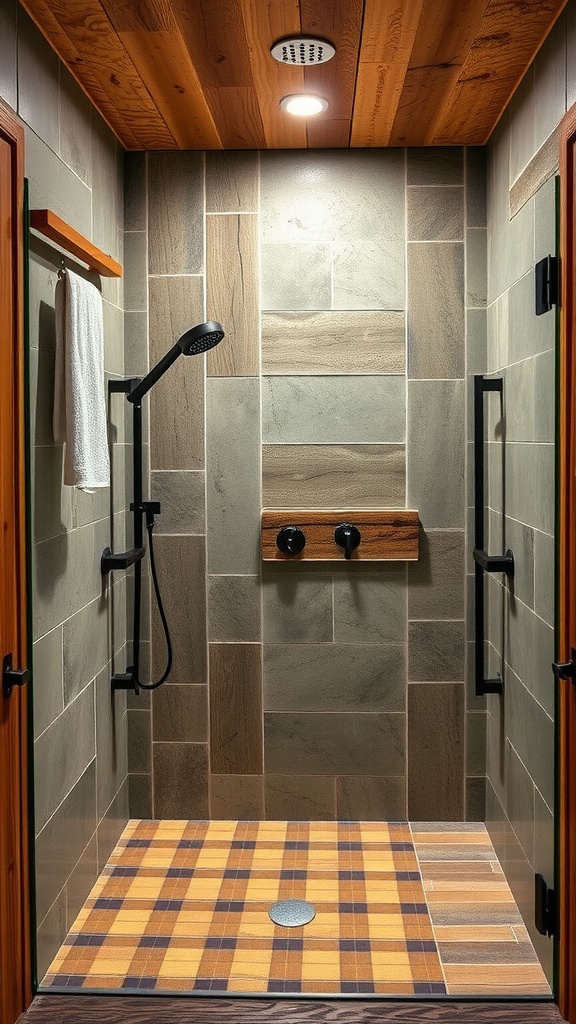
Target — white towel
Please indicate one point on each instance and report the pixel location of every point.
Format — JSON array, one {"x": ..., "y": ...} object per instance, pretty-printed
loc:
[{"x": 79, "y": 416}]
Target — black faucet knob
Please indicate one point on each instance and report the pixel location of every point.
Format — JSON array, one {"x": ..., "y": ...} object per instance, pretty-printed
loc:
[
  {"x": 291, "y": 540},
  {"x": 347, "y": 537}
]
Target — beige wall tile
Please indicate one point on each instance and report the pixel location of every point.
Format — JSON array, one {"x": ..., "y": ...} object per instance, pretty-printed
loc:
[
  {"x": 332, "y": 476},
  {"x": 232, "y": 292}
]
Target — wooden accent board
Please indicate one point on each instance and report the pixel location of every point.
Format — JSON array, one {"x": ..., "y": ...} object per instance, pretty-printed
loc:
[
  {"x": 57, "y": 230},
  {"x": 387, "y": 536}
]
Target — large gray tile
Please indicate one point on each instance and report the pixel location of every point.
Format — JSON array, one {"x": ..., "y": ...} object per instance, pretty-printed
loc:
[
  {"x": 333, "y": 410},
  {"x": 296, "y": 275},
  {"x": 47, "y": 687},
  {"x": 435, "y": 214},
  {"x": 531, "y": 732},
  {"x": 297, "y": 797},
  {"x": 232, "y": 293},
  {"x": 111, "y": 741},
  {"x": 181, "y": 495},
  {"x": 436, "y": 453},
  {"x": 370, "y": 609},
  {"x": 237, "y": 797},
  {"x": 54, "y": 186},
  {"x": 75, "y": 127},
  {"x": 369, "y": 273},
  {"x": 236, "y": 709},
  {"x": 297, "y": 608},
  {"x": 545, "y": 240},
  {"x": 436, "y": 580},
  {"x": 136, "y": 362},
  {"x": 64, "y": 751},
  {"x": 435, "y": 651},
  {"x": 371, "y": 799},
  {"x": 334, "y": 677},
  {"x": 544, "y": 839},
  {"x": 113, "y": 339},
  {"x": 475, "y": 157},
  {"x": 231, "y": 182},
  {"x": 233, "y": 475},
  {"x": 59, "y": 587},
  {"x": 188, "y": 764},
  {"x": 475, "y": 743},
  {"x": 9, "y": 53},
  {"x": 520, "y": 802},
  {"x": 522, "y": 146},
  {"x": 436, "y": 166},
  {"x": 234, "y": 609},
  {"x": 140, "y": 796},
  {"x": 528, "y": 334},
  {"x": 550, "y": 82},
  {"x": 53, "y": 503},
  {"x": 135, "y": 198},
  {"x": 544, "y": 390},
  {"x": 476, "y": 798},
  {"x": 436, "y": 310},
  {"x": 326, "y": 744},
  {"x": 181, "y": 567},
  {"x": 135, "y": 271},
  {"x": 510, "y": 242},
  {"x": 81, "y": 881},
  {"x": 476, "y": 269},
  {"x": 544, "y": 591},
  {"x": 175, "y": 222},
  {"x": 333, "y": 341},
  {"x": 86, "y": 647},
  {"x": 112, "y": 824},
  {"x": 180, "y": 713},
  {"x": 61, "y": 842},
  {"x": 38, "y": 76},
  {"x": 50, "y": 934},
  {"x": 322, "y": 476},
  {"x": 530, "y": 485},
  {"x": 107, "y": 194},
  {"x": 139, "y": 725},
  {"x": 476, "y": 341},
  {"x": 436, "y": 737}
]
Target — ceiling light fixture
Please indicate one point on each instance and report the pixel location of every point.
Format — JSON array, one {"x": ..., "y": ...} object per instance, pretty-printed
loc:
[
  {"x": 304, "y": 105},
  {"x": 306, "y": 50}
]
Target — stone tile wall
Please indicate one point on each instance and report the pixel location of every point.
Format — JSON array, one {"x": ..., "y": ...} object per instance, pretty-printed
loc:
[
  {"x": 348, "y": 284},
  {"x": 74, "y": 167}
]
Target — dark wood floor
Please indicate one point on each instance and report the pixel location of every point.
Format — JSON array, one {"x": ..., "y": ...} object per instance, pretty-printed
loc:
[{"x": 53, "y": 1009}]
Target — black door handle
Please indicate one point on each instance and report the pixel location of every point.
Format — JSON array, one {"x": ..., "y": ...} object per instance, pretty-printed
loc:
[
  {"x": 12, "y": 676},
  {"x": 565, "y": 669}
]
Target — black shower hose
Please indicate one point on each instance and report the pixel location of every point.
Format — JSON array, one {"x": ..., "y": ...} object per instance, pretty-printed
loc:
[{"x": 165, "y": 674}]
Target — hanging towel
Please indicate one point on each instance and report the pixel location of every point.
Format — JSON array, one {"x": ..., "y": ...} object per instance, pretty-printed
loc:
[{"x": 79, "y": 417}]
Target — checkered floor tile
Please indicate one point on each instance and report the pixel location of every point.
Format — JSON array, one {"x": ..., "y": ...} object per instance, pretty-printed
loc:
[{"x": 183, "y": 906}]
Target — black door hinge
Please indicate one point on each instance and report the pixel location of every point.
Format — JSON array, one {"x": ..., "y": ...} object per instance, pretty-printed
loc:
[
  {"x": 547, "y": 291},
  {"x": 544, "y": 907}
]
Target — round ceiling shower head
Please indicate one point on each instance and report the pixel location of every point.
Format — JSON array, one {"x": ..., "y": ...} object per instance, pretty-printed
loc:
[
  {"x": 201, "y": 338},
  {"x": 302, "y": 50}
]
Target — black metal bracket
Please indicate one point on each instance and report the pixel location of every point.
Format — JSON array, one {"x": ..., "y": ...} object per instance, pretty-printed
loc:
[
  {"x": 122, "y": 560},
  {"x": 124, "y": 386},
  {"x": 545, "y": 907},
  {"x": 125, "y": 680},
  {"x": 12, "y": 677},
  {"x": 495, "y": 563},
  {"x": 566, "y": 669},
  {"x": 546, "y": 273}
]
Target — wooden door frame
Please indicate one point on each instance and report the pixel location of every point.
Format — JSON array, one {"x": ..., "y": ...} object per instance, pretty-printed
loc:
[{"x": 15, "y": 947}]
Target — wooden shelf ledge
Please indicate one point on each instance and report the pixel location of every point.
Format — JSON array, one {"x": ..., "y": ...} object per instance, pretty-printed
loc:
[
  {"x": 387, "y": 535},
  {"x": 57, "y": 230}
]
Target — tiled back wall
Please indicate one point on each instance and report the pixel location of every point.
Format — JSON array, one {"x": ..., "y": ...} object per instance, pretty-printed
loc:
[{"x": 352, "y": 288}]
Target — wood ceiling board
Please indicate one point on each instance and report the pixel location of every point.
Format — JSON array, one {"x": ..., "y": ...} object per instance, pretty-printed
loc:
[
  {"x": 388, "y": 36},
  {"x": 214, "y": 33},
  {"x": 340, "y": 23},
  {"x": 237, "y": 115},
  {"x": 328, "y": 134}
]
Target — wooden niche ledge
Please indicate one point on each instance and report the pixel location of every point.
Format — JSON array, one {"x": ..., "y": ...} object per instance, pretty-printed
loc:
[{"x": 388, "y": 535}]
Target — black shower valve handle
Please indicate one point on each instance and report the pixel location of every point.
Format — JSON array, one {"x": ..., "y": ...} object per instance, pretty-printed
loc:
[
  {"x": 291, "y": 540},
  {"x": 348, "y": 537}
]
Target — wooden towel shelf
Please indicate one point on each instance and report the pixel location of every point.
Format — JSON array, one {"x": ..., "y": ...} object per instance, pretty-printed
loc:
[
  {"x": 57, "y": 230},
  {"x": 386, "y": 534}
]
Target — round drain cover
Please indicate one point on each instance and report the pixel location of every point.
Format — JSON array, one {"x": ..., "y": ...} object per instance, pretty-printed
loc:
[{"x": 292, "y": 913}]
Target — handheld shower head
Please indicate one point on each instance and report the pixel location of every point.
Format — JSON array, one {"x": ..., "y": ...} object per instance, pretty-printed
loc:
[
  {"x": 201, "y": 338},
  {"x": 192, "y": 343}
]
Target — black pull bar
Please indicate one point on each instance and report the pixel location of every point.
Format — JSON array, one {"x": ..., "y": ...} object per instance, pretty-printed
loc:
[
  {"x": 484, "y": 561},
  {"x": 121, "y": 560}
]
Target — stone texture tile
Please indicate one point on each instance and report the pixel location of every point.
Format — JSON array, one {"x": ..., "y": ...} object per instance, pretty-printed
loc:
[
  {"x": 111, "y": 741},
  {"x": 436, "y": 580},
  {"x": 334, "y": 677},
  {"x": 436, "y": 310},
  {"x": 232, "y": 294},
  {"x": 370, "y": 609},
  {"x": 436, "y": 737},
  {"x": 333, "y": 341},
  {"x": 53, "y": 503},
  {"x": 181, "y": 567},
  {"x": 296, "y": 276},
  {"x": 361, "y": 798},
  {"x": 544, "y": 388},
  {"x": 231, "y": 182},
  {"x": 38, "y": 78},
  {"x": 175, "y": 215},
  {"x": 135, "y": 283},
  {"x": 531, "y": 505},
  {"x": 324, "y": 476},
  {"x": 180, "y": 713},
  {"x": 188, "y": 763},
  {"x": 334, "y": 744},
  {"x": 543, "y": 856},
  {"x": 475, "y": 743},
  {"x": 85, "y": 647},
  {"x": 75, "y": 125},
  {"x": 435, "y": 651},
  {"x": 111, "y": 826},
  {"x": 528, "y": 334},
  {"x": 177, "y": 400},
  {"x": 136, "y": 361},
  {"x": 41, "y": 396},
  {"x": 47, "y": 685},
  {"x": 297, "y": 797},
  {"x": 140, "y": 796},
  {"x": 297, "y": 608},
  {"x": 113, "y": 339},
  {"x": 476, "y": 798},
  {"x": 235, "y": 709},
  {"x": 531, "y": 732},
  {"x": 511, "y": 242},
  {"x": 545, "y": 219},
  {"x": 476, "y": 344},
  {"x": 544, "y": 576},
  {"x": 64, "y": 750},
  {"x": 60, "y": 843},
  {"x": 107, "y": 198},
  {"x": 9, "y": 53},
  {"x": 476, "y": 271},
  {"x": 520, "y": 801},
  {"x": 550, "y": 82},
  {"x": 435, "y": 214},
  {"x": 234, "y": 609},
  {"x": 369, "y": 273},
  {"x": 332, "y": 410},
  {"x": 435, "y": 452},
  {"x": 436, "y": 166},
  {"x": 522, "y": 146},
  {"x": 476, "y": 175},
  {"x": 181, "y": 494},
  {"x": 234, "y": 797},
  {"x": 233, "y": 476},
  {"x": 135, "y": 198},
  {"x": 81, "y": 880},
  {"x": 53, "y": 186},
  {"x": 50, "y": 934},
  {"x": 139, "y": 741}
]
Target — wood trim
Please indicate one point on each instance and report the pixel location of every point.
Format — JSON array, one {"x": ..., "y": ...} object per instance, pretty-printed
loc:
[
  {"x": 566, "y": 570},
  {"x": 15, "y": 957},
  {"x": 57, "y": 230},
  {"x": 390, "y": 535}
]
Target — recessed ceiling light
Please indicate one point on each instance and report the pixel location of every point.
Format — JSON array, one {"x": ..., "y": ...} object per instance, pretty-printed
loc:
[{"x": 304, "y": 106}]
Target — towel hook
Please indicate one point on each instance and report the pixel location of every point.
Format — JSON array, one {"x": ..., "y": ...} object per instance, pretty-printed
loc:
[{"x": 62, "y": 270}]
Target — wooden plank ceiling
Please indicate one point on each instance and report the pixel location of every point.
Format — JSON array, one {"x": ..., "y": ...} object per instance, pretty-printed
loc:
[{"x": 197, "y": 74}]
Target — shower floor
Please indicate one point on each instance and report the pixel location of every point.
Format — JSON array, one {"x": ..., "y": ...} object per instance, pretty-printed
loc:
[{"x": 401, "y": 909}]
